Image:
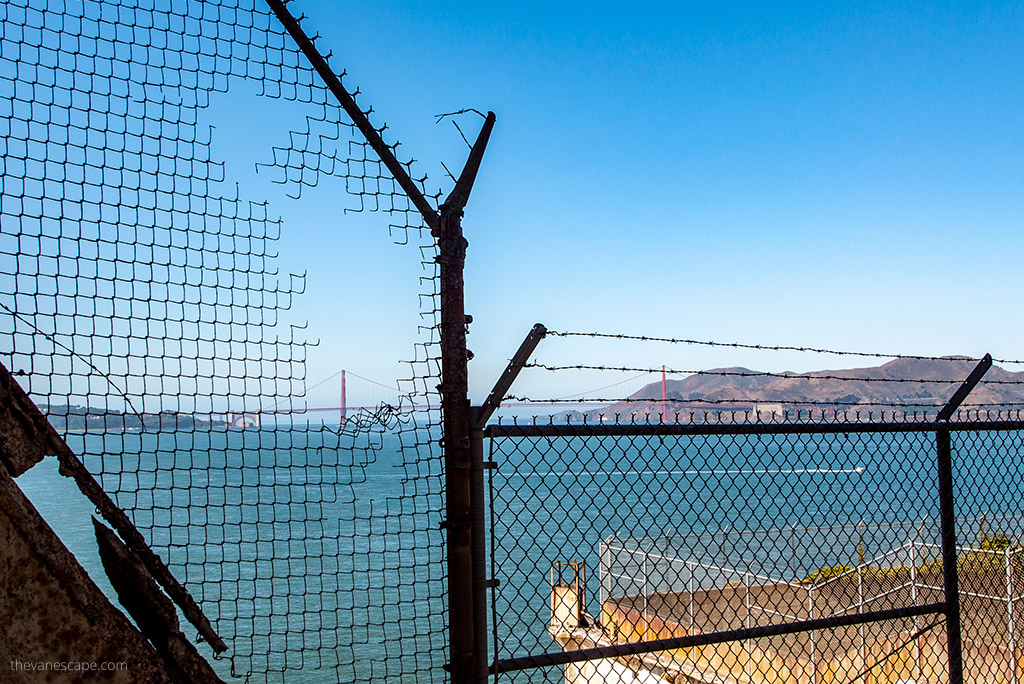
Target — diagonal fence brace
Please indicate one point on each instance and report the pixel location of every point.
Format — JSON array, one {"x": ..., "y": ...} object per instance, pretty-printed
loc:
[{"x": 503, "y": 384}]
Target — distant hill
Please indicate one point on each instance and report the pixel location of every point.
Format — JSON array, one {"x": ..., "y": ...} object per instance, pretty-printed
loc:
[
  {"x": 76, "y": 418},
  {"x": 873, "y": 389}
]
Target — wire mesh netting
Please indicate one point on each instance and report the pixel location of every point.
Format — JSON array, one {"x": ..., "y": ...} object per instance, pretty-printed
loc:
[
  {"x": 610, "y": 532},
  {"x": 142, "y": 306}
]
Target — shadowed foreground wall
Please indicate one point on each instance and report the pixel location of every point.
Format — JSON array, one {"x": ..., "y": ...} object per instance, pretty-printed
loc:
[{"x": 52, "y": 612}]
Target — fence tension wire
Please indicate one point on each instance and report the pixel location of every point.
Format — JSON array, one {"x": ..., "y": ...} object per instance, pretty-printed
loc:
[{"x": 950, "y": 576}]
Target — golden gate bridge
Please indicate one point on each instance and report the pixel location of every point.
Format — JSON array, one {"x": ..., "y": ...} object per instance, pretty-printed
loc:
[
  {"x": 325, "y": 397},
  {"x": 345, "y": 393}
]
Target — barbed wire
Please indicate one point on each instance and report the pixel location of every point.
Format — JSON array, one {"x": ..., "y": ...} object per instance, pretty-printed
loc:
[
  {"x": 807, "y": 402},
  {"x": 52, "y": 339},
  {"x": 771, "y": 347},
  {"x": 751, "y": 374},
  {"x": 467, "y": 110},
  {"x": 614, "y": 384},
  {"x": 440, "y": 117}
]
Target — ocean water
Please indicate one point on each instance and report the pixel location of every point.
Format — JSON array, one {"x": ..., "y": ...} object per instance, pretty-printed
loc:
[
  {"x": 307, "y": 552},
  {"x": 285, "y": 536}
]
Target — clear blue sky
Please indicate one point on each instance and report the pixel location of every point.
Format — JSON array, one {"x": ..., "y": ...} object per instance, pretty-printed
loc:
[{"x": 795, "y": 174}]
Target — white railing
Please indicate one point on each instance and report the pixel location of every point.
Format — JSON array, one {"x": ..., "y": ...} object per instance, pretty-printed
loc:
[{"x": 642, "y": 567}]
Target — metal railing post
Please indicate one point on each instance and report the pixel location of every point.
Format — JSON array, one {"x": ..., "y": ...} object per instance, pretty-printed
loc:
[
  {"x": 690, "y": 651},
  {"x": 1011, "y": 637},
  {"x": 913, "y": 597},
  {"x": 647, "y": 623},
  {"x": 860, "y": 610},
  {"x": 690, "y": 567},
  {"x": 792, "y": 551},
  {"x": 950, "y": 576},
  {"x": 605, "y": 571},
  {"x": 746, "y": 642},
  {"x": 813, "y": 635}
]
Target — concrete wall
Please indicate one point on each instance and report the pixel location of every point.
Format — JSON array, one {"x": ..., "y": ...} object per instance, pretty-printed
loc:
[
  {"x": 728, "y": 660},
  {"x": 53, "y": 614}
]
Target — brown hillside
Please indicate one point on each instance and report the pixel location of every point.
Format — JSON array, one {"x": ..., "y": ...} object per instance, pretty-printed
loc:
[{"x": 902, "y": 381}]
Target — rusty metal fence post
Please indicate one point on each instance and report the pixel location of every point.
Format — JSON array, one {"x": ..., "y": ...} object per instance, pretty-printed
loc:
[
  {"x": 467, "y": 647},
  {"x": 455, "y": 442},
  {"x": 467, "y": 641}
]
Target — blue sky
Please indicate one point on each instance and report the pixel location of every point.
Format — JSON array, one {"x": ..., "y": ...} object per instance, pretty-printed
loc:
[{"x": 820, "y": 175}]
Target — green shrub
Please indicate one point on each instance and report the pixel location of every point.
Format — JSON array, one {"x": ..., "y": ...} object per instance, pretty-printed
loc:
[
  {"x": 823, "y": 574},
  {"x": 985, "y": 558},
  {"x": 996, "y": 541},
  {"x": 988, "y": 557}
]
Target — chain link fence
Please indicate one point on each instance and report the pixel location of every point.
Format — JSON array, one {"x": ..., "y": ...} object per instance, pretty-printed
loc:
[
  {"x": 681, "y": 530},
  {"x": 901, "y": 564},
  {"x": 144, "y": 309}
]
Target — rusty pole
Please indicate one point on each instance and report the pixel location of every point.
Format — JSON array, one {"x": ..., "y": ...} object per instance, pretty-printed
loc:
[
  {"x": 454, "y": 391},
  {"x": 455, "y": 409}
]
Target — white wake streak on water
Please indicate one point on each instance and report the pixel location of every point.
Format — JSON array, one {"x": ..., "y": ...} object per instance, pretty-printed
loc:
[{"x": 625, "y": 473}]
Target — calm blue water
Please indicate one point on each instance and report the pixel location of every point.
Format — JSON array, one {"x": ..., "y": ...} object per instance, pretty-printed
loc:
[{"x": 319, "y": 562}]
